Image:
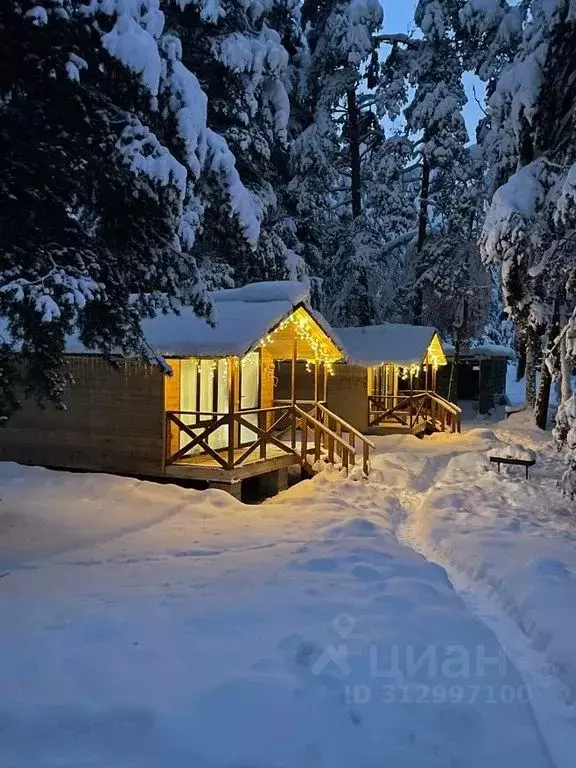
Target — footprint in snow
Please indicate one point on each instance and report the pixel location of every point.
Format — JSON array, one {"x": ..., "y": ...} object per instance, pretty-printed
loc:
[
  {"x": 365, "y": 572},
  {"x": 318, "y": 565}
]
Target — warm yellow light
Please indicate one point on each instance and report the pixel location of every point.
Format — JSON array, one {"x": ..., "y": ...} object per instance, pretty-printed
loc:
[{"x": 305, "y": 331}]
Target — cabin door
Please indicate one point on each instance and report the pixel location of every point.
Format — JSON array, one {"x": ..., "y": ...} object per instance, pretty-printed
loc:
[{"x": 249, "y": 393}]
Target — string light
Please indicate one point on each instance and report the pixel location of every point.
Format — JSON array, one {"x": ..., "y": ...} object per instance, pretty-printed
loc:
[
  {"x": 306, "y": 331},
  {"x": 409, "y": 370}
]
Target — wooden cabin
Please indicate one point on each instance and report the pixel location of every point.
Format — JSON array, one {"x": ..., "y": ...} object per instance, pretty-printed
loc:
[
  {"x": 400, "y": 381},
  {"x": 388, "y": 381},
  {"x": 214, "y": 419},
  {"x": 480, "y": 374}
]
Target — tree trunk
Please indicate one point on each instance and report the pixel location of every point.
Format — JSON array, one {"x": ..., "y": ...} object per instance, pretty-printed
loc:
[
  {"x": 459, "y": 336},
  {"x": 521, "y": 363},
  {"x": 543, "y": 397},
  {"x": 422, "y": 228},
  {"x": 530, "y": 369},
  {"x": 423, "y": 210},
  {"x": 565, "y": 387},
  {"x": 354, "y": 140},
  {"x": 453, "y": 381}
]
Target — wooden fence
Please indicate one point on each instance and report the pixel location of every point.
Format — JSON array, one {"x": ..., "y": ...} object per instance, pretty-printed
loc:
[{"x": 415, "y": 411}]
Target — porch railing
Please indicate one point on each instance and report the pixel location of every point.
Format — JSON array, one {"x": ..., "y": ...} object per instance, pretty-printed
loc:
[
  {"x": 333, "y": 426},
  {"x": 266, "y": 428},
  {"x": 415, "y": 410}
]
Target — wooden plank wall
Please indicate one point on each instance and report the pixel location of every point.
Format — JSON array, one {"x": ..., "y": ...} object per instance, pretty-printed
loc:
[
  {"x": 492, "y": 383},
  {"x": 172, "y": 402},
  {"x": 348, "y": 394},
  {"x": 268, "y": 373},
  {"x": 114, "y": 421}
]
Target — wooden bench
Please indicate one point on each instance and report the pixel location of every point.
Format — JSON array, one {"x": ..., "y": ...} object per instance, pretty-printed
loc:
[
  {"x": 510, "y": 409},
  {"x": 507, "y": 460}
]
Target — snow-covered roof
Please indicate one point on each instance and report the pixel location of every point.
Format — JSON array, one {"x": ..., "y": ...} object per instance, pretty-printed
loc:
[
  {"x": 243, "y": 317},
  {"x": 387, "y": 343},
  {"x": 274, "y": 290},
  {"x": 482, "y": 350},
  {"x": 240, "y": 326}
]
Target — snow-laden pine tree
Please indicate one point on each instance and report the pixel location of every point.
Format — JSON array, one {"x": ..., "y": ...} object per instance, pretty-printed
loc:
[
  {"x": 434, "y": 114},
  {"x": 91, "y": 199},
  {"x": 488, "y": 33},
  {"x": 118, "y": 169},
  {"x": 422, "y": 79},
  {"x": 530, "y": 230},
  {"x": 455, "y": 286},
  {"x": 244, "y": 55},
  {"x": 337, "y": 127}
]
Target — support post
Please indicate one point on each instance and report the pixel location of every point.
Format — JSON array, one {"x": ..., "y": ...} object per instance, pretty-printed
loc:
[
  {"x": 411, "y": 396},
  {"x": 262, "y": 426},
  {"x": 232, "y": 371},
  {"x": 316, "y": 391},
  {"x": 365, "y": 458},
  {"x": 293, "y": 385},
  {"x": 325, "y": 382}
]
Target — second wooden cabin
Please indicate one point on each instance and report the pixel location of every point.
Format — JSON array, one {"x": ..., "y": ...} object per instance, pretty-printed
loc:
[{"x": 388, "y": 381}]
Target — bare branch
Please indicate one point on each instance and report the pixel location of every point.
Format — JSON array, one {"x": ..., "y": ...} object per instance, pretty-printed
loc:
[
  {"x": 395, "y": 39},
  {"x": 477, "y": 100}
]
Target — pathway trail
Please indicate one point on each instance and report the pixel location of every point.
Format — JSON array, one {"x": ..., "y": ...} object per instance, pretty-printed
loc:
[{"x": 555, "y": 719}]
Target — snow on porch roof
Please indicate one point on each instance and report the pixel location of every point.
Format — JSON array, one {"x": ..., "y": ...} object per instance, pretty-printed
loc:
[
  {"x": 243, "y": 317},
  {"x": 387, "y": 343}
]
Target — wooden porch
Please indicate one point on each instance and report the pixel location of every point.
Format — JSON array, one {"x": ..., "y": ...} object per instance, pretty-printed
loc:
[
  {"x": 413, "y": 412},
  {"x": 287, "y": 434}
]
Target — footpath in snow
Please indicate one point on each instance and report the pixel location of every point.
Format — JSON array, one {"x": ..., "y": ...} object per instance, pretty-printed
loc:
[
  {"x": 508, "y": 545},
  {"x": 148, "y": 625}
]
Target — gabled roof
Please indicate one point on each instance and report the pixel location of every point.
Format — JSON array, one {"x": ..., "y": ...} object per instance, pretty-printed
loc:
[
  {"x": 240, "y": 326},
  {"x": 243, "y": 318},
  {"x": 388, "y": 343}
]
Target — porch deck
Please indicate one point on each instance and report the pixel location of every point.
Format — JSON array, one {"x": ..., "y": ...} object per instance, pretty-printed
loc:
[
  {"x": 292, "y": 434},
  {"x": 206, "y": 468}
]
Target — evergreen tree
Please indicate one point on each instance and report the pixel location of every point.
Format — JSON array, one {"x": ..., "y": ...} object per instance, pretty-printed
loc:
[
  {"x": 111, "y": 173},
  {"x": 337, "y": 127},
  {"x": 237, "y": 51},
  {"x": 434, "y": 114},
  {"x": 78, "y": 233},
  {"x": 531, "y": 227},
  {"x": 443, "y": 259}
]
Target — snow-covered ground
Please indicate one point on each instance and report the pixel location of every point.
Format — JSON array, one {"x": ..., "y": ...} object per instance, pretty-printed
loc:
[
  {"x": 422, "y": 618},
  {"x": 508, "y": 547}
]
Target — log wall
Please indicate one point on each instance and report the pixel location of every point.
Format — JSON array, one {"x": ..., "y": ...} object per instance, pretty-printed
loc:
[
  {"x": 348, "y": 394},
  {"x": 172, "y": 403},
  {"x": 267, "y": 386},
  {"x": 114, "y": 421},
  {"x": 347, "y": 390}
]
